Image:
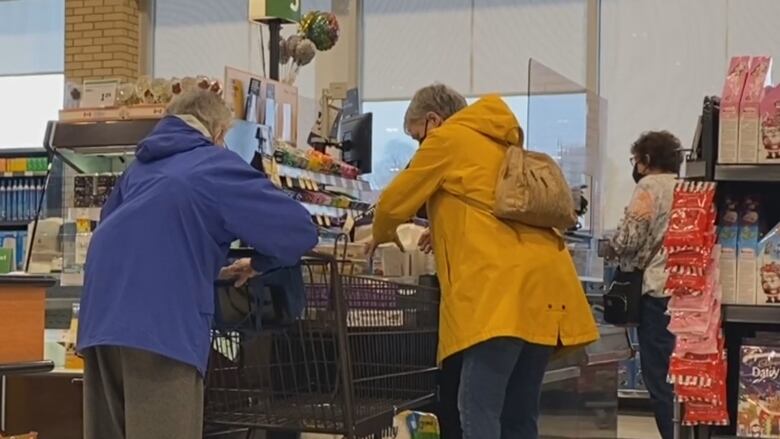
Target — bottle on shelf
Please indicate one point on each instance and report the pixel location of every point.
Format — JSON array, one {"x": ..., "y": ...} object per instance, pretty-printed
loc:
[{"x": 3, "y": 200}]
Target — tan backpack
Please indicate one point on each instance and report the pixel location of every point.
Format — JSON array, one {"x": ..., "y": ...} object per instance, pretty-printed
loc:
[{"x": 532, "y": 190}]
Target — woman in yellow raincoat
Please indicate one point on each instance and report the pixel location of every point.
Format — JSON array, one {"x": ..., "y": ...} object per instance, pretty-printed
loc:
[{"x": 510, "y": 292}]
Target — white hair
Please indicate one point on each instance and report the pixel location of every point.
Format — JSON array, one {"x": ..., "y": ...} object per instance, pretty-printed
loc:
[{"x": 204, "y": 105}]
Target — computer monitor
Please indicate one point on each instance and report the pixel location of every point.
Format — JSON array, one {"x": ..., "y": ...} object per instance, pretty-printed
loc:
[{"x": 355, "y": 138}]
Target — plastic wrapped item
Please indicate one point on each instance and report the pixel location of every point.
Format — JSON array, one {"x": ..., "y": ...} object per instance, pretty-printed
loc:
[
  {"x": 689, "y": 256},
  {"x": 686, "y": 280},
  {"x": 700, "y": 413},
  {"x": 691, "y": 302},
  {"x": 699, "y": 378},
  {"x": 708, "y": 344},
  {"x": 695, "y": 322},
  {"x": 692, "y": 217}
]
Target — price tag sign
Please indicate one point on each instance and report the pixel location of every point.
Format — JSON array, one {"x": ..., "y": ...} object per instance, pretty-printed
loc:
[{"x": 99, "y": 93}]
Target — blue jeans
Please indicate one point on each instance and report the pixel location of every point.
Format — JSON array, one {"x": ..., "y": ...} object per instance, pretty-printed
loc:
[
  {"x": 656, "y": 344},
  {"x": 500, "y": 388}
]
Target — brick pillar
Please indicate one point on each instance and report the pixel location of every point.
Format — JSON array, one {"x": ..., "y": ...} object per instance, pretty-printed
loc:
[{"x": 101, "y": 39}]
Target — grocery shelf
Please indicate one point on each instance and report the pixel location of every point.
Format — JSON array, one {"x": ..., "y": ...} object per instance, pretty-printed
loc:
[
  {"x": 14, "y": 225},
  {"x": 17, "y": 174},
  {"x": 696, "y": 169},
  {"x": 633, "y": 394},
  {"x": 330, "y": 211},
  {"x": 759, "y": 314},
  {"x": 326, "y": 179},
  {"x": 755, "y": 173}
]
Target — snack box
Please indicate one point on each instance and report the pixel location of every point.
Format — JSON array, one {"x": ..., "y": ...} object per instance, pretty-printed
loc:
[
  {"x": 749, "y": 110},
  {"x": 759, "y": 389},
  {"x": 728, "y": 138},
  {"x": 768, "y": 284},
  {"x": 770, "y": 126}
]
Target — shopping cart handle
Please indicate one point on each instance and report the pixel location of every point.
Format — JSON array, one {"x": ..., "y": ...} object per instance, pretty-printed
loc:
[{"x": 32, "y": 367}]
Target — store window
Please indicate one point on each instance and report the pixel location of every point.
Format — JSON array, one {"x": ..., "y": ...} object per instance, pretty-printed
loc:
[
  {"x": 558, "y": 126},
  {"x": 487, "y": 48},
  {"x": 27, "y": 104},
  {"x": 474, "y": 46},
  {"x": 32, "y": 37},
  {"x": 32, "y": 46}
]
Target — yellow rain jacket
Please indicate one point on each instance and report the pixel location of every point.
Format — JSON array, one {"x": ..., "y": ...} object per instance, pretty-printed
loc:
[{"x": 498, "y": 279}]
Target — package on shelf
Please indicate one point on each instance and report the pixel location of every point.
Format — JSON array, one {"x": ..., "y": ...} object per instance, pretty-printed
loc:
[
  {"x": 759, "y": 77},
  {"x": 769, "y": 268},
  {"x": 19, "y": 198},
  {"x": 93, "y": 190},
  {"x": 770, "y": 126},
  {"x": 747, "y": 250},
  {"x": 626, "y": 370},
  {"x": 758, "y": 412},
  {"x": 697, "y": 367},
  {"x": 12, "y": 250},
  {"x": 728, "y": 236},
  {"x": 728, "y": 138},
  {"x": 313, "y": 160},
  {"x": 20, "y": 165}
]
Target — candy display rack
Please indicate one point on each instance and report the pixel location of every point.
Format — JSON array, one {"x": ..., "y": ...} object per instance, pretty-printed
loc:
[{"x": 739, "y": 321}]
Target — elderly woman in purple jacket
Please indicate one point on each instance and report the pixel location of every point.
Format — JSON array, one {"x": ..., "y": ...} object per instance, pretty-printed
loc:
[{"x": 164, "y": 234}]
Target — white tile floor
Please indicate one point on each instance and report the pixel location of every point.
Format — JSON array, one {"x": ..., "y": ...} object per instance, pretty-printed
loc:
[{"x": 635, "y": 427}]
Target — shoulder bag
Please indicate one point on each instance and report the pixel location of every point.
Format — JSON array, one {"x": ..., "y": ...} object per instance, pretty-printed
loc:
[{"x": 623, "y": 297}]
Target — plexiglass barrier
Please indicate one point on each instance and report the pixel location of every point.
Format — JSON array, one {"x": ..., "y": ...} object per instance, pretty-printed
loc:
[{"x": 568, "y": 122}]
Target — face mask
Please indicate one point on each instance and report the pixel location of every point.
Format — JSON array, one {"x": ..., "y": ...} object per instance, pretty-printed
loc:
[
  {"x": 425, "y": 133},
  {"x": 637, "y": 176}
]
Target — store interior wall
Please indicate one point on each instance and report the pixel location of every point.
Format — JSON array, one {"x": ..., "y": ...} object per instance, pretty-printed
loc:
[
  {"x": 194, "y": 37},
  {"x": 659, "y": 58}
]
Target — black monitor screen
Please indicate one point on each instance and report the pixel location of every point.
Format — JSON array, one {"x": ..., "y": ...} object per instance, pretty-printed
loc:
[{"x": 356, "y": 141}]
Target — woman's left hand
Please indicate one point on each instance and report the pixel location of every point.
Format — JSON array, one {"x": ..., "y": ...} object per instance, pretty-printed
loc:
[{"x": 372, "y": 245}]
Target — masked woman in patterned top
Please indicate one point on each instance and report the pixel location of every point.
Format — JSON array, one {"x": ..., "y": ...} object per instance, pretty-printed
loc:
[{"x": 656, "y": 159}]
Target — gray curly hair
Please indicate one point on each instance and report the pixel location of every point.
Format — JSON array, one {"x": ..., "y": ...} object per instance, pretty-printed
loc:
[{"x": 435, "y": 98}]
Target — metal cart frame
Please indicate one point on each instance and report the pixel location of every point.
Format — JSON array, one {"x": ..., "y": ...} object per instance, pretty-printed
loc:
[{"x": 363, "y": 350}]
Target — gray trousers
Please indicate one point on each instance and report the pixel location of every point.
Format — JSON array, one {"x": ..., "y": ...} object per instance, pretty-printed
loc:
[{"x": 134, "y": 394}]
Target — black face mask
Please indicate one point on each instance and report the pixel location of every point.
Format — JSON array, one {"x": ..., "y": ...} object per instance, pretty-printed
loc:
[
  {"x": 637, "y": 176},
  {"x": 425, "y": 133}
]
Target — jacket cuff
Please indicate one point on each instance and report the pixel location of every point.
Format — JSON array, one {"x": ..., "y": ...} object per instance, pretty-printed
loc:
[{"x": 262, "y": 264}]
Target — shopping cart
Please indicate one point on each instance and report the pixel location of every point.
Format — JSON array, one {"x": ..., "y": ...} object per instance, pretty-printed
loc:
[{"x": 364, "y": 350}]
